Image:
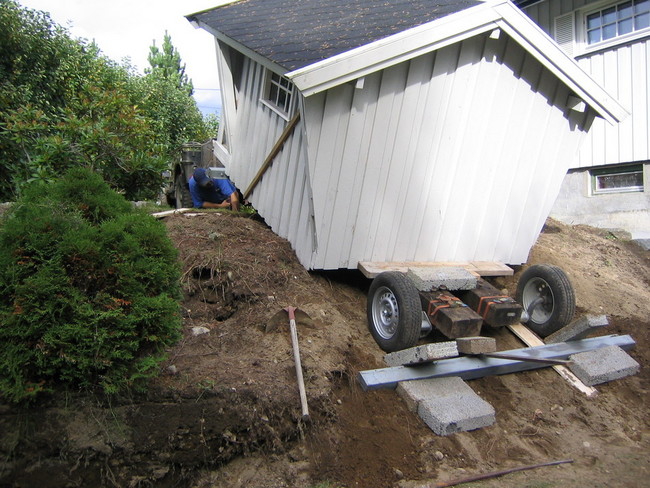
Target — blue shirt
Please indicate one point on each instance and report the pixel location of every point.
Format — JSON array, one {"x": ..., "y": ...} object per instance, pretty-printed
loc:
[{"x": 221, "y": 190}]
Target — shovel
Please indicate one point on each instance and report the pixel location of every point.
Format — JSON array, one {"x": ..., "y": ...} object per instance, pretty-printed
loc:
[{"x": 296, "y": 356}]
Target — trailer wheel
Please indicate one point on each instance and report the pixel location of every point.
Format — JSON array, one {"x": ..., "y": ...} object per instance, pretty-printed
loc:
[
  {"x": 394, "y": 311},
  {"x": 182, "y": 192},
  {"x": 547, "y": 296}
]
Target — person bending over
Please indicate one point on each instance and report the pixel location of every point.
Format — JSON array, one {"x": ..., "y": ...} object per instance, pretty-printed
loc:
[{"x": 212, "y": 192}]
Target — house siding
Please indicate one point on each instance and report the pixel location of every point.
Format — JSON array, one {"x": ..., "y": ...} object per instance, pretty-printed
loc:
[
  {"x": 283, "y": 195},
  {"x": 623, "y": 71},
  {"x": 452, "y": 156}
]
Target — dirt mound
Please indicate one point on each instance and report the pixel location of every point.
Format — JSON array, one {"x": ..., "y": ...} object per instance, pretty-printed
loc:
[{"x": 226, "y": 411}]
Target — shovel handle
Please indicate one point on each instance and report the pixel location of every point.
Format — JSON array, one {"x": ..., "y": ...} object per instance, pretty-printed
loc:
[{"x": 292, "y": 312}]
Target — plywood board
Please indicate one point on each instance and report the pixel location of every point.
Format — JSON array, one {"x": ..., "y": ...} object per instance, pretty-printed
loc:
[{"x": 481, "y": 268}]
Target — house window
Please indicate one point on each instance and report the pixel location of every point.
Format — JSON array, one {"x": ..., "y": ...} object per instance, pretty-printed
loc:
[
  {"x": 617, "y": 21},
  {"x": 587, "y": 30},
  {"x": 278, "y": 93},
  {"x": 617, "y": 179}
]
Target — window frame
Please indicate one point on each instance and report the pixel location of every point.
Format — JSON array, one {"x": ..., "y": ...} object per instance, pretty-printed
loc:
[
  {"x": 279, "y": 94},
  {"x": 596, "y": 173},
  {"x": 582, "y": 32}
]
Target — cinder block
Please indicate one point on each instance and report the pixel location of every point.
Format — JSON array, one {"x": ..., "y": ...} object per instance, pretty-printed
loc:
[
  {"x": 476, "y": 345},
  {"x": 422, "y": 354},
  {"x": 447, "y": 405},
  {"x": 427, "y": 279},
  {"x": 578, "y": 329},
  {"x": 603, "y": 365}
]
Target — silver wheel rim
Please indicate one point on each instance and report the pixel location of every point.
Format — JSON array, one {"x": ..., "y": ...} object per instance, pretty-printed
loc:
[
  {"x": 385, "y": 312},
  {"x": 538, "y": 290}
]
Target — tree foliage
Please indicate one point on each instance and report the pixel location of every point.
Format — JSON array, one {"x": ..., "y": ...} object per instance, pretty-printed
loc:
[
  {"x": 167, "y": 64},
  {"x": 63, "y": 104},
  {"x": 89, "y": 289}
]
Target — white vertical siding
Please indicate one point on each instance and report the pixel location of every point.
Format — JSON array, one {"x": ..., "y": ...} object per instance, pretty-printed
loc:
[
  {"x": 623, "y": 71},
  {"x": 456, "y": 155},
  {"x": 283, "y": 196}
]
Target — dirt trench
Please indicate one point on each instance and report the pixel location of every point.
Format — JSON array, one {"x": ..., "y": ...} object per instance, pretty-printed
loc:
[{"x": 225, "y": 411}]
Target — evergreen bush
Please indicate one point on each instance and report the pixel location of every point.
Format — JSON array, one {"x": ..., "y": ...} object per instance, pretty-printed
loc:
[{"x": 89, "y": 290}]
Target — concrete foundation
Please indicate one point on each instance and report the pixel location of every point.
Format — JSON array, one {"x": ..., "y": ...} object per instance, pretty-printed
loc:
[
  {"x": 427, "y": 279},
  {"x": 578, "y": 329},
  {"x": 422, "y": 354},
  {"x": 447, "y": 405},
  {"x": 603, "y": 365}
]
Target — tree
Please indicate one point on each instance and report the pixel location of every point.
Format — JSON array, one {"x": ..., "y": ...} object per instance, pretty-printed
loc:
[
  {"x": 63, "y": 104},
  {"x": 167, "y": 64}
]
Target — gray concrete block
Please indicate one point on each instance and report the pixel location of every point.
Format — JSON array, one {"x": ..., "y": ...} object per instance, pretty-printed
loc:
[
  {"x": 603, "y": 365},
  {"x": 447, "y": 405},
  {"x": 422, "y": 354},
  {"x": 476, "y": 345},
  {"x": 578, "y": 329},
  {"x": 427, "y": 279}
]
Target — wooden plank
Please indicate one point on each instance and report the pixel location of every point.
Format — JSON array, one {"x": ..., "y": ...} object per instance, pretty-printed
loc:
[
  {"x": 274, "y": 152},
  {"x": 481, "y": 268},
  {"x": 160, "y": 215},
  {"x": 529, "y": 338}
]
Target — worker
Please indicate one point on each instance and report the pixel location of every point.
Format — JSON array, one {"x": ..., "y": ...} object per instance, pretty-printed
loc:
[{"x": 212, "y": 192}]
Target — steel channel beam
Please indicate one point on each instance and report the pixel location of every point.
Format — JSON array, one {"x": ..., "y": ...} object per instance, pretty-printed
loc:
[{"x": 471, "y": 367}]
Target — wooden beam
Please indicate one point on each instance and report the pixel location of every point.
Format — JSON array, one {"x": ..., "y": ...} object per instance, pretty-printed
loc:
[
  {"x": 481, "y": 268},
  {"x": 529, "y": 338},
  {"x": 274, "y": 152}
]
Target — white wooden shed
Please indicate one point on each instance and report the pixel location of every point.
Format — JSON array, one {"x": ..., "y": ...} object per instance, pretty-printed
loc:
[{"x": 425, "y": 130}]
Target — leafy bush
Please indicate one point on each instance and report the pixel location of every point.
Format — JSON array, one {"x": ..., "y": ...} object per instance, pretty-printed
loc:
[{"x": 89, "y": 289}]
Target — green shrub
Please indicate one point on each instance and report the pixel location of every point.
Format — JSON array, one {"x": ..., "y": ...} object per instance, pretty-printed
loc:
[{"x": 89, "y": 290}]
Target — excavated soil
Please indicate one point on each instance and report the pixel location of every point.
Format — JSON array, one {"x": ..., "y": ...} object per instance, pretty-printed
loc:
[{"x": 225, "y": 411}]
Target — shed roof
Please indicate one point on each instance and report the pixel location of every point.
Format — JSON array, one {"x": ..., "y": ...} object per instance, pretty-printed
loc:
[
  {"x": 297, "y": 33},
  {"x": 321, "y": 44}
]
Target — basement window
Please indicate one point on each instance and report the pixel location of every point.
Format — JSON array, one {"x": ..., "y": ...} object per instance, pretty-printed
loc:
[
  {"x": 617, "y": 179},
  {"x": 278, "y": 93}
]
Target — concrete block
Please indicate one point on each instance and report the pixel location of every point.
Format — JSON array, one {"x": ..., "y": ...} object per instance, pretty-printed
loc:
[
  {"x": 603, "y": 365},
  {"x": 422, "y": 354},
  {"x": 447, "y": 405},
  {"x": 476, "y": 345},
  {"x": 427, "y": 279},
  {"x": 578, "y": 329}
]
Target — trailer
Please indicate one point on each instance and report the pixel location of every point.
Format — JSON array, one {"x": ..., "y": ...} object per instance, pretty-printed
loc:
[{"x": 408, "y": 300}]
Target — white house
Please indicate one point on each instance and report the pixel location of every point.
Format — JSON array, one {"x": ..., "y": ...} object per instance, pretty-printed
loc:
[
  {"x": 409, "y": 130},
  {"x": 608, "y": 184}
]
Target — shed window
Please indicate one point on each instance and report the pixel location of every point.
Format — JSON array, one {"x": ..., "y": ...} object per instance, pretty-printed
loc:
[
  {"x": 618, "y": 20},
  {"x": 617, "y": 179},
  {"x": 278, "y": 93}
]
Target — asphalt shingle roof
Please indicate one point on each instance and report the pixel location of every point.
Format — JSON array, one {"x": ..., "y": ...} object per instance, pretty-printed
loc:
[{"x": 297, "y": 33}]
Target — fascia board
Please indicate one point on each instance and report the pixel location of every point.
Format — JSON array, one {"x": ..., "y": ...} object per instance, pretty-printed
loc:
[
  {"x": 394, "y": 49},
  {"x": 534, "y": 40}
]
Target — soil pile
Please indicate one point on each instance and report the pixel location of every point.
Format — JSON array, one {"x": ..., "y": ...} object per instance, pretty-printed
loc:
[{"x": 226, "y": 410}]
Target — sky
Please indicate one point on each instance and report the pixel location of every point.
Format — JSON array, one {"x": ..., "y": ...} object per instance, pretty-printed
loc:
[{"x": 127, "y": 28}]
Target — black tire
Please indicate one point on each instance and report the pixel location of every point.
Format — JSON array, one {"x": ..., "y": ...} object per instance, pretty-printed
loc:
[
  {"x": 394, "y": 311},
  {"x": 182, "y": 192},
  {"x": 548, "y": 298}
]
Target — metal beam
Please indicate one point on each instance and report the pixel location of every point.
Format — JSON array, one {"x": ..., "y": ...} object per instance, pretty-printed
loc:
[{"x": 470, "y": 367}]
